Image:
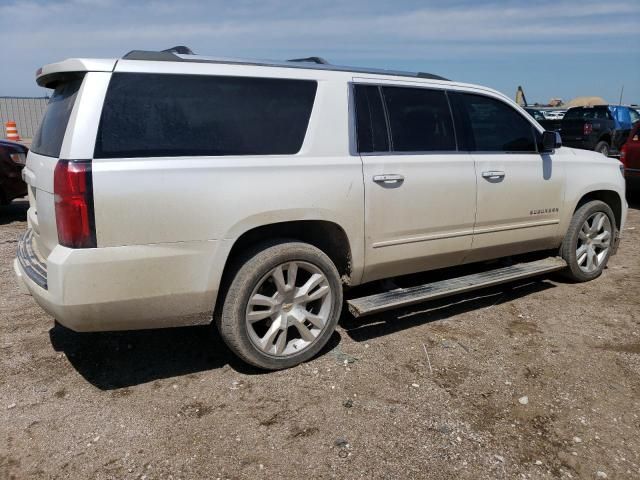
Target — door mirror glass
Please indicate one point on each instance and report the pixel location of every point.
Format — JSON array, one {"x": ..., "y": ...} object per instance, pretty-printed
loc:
[{"x": 550, "y": 141}]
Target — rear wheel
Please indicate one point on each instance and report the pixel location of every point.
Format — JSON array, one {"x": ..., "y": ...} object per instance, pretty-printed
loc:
[
  {"x": 282, "y": 305},
  {"x": 587, "y": 245},
  {"x": 603, "y": 148}
]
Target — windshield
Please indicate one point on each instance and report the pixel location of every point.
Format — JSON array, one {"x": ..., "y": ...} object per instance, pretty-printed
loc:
[{"x": 48, "y": 139}]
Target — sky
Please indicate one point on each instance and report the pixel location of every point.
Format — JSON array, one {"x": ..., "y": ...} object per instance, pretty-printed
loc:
[{"x": 552, "y": 48}]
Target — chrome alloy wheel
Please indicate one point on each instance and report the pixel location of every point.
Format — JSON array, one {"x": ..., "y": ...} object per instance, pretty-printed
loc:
[
  {"x": 288, "y": 309},
  {"x": 594, "y": 241}
]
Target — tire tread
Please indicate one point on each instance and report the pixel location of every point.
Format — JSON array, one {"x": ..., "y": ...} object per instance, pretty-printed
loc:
[
  {"x": 567, "y": 249},
  {"x": 243, "y": 274}
]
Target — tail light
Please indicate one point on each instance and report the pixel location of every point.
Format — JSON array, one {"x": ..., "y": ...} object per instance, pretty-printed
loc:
[
  {"x": 18, "y": 158},
  {"x": 588, "y": 128},
  {"x": 623, "y": 154},
  {"x": 73, "y": 191}
]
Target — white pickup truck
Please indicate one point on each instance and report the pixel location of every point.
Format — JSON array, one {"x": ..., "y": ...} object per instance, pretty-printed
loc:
[{"x": 171, "y": 189}]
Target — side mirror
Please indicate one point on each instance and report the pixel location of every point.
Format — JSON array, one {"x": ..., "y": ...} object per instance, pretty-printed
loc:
[{"x": 550, "y": 141}]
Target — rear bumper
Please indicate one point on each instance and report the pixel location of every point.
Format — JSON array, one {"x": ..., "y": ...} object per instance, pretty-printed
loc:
[
  {"x": 125, "y": 288},
  {"x": 34, "y": 268}
]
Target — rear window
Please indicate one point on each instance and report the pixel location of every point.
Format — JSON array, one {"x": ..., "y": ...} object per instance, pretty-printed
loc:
[
  {"x": 48, "y": 139},
  {"x": 152, "y": 115},
  {"x": 587, "y": 114},
  {"x": 420, "y": 120}
]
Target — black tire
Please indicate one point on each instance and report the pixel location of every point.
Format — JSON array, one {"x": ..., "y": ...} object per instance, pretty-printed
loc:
[
  {"x": 251, "y": 270},
  {"x": 603, "y": 148},
  {"x": 570, "y": 242}
]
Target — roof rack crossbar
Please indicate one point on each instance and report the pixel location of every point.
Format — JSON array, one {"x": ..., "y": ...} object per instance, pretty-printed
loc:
[
  {"x": 181, "y": 49},
  {"x": 318, "y": 60}
]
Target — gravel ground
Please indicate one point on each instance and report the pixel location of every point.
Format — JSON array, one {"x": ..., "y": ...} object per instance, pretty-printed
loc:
[{"x": 534, "y": 380}]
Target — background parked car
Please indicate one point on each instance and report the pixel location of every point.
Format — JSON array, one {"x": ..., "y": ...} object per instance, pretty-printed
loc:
[
  {"x": 536, "y": 113},
  {"x": 541, "y": 118},
  {"x": 12, "y": 160},
  {"x": 603, "y": 128},
  {"x": 554, "y": 114},
  {"x": 630, "y": 156}
]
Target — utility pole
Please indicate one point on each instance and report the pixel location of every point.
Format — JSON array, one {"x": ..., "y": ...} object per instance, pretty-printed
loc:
[{"x": 621, "y": 92}]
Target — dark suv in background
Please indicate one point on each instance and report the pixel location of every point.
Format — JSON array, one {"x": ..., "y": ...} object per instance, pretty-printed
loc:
[
  {"x": 603, "y": 128},
  {"x": 12, "y": 160}
]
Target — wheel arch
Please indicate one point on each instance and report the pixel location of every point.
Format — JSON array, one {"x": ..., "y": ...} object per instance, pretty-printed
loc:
[
  {"x": 328, "y": 236},
  {"x": 610, "y": 197},
  {"x": 606, "y": 137}
]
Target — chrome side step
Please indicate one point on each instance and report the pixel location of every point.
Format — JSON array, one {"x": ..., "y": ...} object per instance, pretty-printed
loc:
[{"x": 402, "y": 297}]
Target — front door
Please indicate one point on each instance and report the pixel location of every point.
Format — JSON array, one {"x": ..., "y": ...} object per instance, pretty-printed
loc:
[
  {"x": 520, "y": 191},
  {"x": 420, "y": 191}
]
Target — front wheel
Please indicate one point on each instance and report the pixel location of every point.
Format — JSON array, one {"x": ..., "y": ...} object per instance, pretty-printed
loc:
[
  {"x": 282, "y": 305},
  {"x": 587, "y": 245}
]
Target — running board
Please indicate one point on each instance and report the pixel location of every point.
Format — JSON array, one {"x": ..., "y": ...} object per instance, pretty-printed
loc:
[{"x": 403, "y": 297}]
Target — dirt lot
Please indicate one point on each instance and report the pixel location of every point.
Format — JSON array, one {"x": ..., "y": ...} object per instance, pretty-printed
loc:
[{"x": 536, "y": 380}]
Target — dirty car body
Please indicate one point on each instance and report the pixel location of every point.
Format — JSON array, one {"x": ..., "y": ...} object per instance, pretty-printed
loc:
[{"x": 168, "y": 189}]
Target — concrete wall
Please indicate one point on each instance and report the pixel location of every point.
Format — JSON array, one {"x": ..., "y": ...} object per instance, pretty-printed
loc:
[{"x": 25, "y": 111}]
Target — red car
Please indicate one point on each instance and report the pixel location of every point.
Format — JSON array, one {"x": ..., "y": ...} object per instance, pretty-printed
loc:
[
  {"x": 630, "y": 154},
  {"x": 12, "y": 159}
]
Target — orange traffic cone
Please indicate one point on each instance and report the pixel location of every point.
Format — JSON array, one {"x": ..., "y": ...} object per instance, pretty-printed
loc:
[{"x": 12, "y": 131}]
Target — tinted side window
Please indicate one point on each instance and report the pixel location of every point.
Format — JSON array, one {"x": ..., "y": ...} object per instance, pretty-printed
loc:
[
  {"x": 48, "y": 139},
  {"x": 420, "y": 120},
  {"x": 146, "y": 115},
  {"x": 371, "y": 124},
  {"x": 495, "y": 126}
]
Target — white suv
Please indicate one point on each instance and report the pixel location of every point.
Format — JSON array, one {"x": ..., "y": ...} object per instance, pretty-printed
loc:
[{"x": 171, "y": 189}]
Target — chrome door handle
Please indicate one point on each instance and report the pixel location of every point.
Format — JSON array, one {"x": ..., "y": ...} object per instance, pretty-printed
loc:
[
  {"x": 493, "y": 174},
  {"x": 388, "y": 179}
]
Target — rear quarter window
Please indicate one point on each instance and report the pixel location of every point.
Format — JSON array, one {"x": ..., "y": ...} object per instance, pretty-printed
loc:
[
  {"x": 147, "y": 115},
  {"x": 49, "y": 137},
  {"x": 371, "y": 124}
]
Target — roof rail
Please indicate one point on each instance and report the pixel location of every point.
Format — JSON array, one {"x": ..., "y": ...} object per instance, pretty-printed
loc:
[
  {"x": 184, "y": 54},
  {"x": 318, "y": 60}
]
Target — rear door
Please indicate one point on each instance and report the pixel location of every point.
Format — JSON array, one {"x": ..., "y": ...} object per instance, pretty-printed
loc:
[
  {"x": 519, "y": 191},
  {"x": 67, "y": 131},
  {"x": 419, "y": 189},
  {"x": 41, "y": 162}
]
